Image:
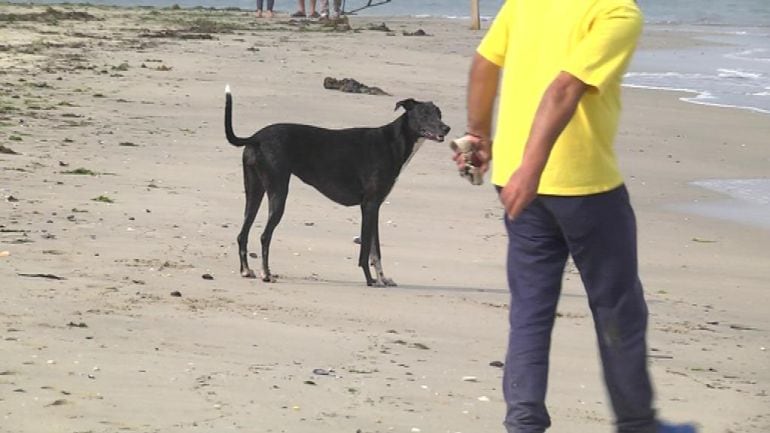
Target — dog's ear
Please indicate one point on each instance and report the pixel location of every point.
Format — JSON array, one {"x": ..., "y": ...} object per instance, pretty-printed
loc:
[{"x": 408, "y": 104}]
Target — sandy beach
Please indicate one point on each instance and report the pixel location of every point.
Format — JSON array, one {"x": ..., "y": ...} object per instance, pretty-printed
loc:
[{"x": 122, "y": 308}]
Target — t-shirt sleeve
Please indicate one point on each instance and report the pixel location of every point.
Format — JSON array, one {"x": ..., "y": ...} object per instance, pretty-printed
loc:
[
  {"x": 603, "y": 55},
  {"x": 495, "y": 42}
]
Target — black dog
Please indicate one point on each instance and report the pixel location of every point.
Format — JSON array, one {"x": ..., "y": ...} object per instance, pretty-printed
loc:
[{"x": 355, "y": 166}]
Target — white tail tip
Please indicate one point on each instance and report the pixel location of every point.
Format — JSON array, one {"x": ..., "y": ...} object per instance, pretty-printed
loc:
[{"x": 227, "y": 88}]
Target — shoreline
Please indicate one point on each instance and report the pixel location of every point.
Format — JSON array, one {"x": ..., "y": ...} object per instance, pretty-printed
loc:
[
  {"x": 122, "y": 193},
  {"x": 694, "y": 100},
  {"x": 722, "y": 69}
]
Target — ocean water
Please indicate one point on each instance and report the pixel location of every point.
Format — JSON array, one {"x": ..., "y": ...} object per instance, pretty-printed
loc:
[{"x": 732, "y": 71}]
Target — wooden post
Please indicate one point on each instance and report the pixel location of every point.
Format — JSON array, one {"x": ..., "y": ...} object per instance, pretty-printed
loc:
[{"x": 475, "y": 18}]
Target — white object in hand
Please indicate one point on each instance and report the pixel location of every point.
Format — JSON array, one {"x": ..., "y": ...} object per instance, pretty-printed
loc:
[{"x": 464, "y": 146}]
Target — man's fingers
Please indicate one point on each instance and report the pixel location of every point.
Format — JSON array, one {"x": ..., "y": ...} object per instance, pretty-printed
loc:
[
  {"x": 507, "y": 200},
  {"x": 484, "y": 166},
  {"x": 514, "y": 211},
  {"x": 513, "y": 208},
  {"x": 514, "y": 202},
  {"x": 483, "y": 149}
]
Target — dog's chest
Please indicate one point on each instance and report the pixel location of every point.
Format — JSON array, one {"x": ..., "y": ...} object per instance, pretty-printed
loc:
[{"x": 415, "y": 148}]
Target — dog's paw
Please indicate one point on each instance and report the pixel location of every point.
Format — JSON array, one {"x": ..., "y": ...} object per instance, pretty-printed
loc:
[
  {"x": 388, "y": 282},
  {"x": 268, "y": 277},
  {"x": 248, "y": 273},
  {"x": 384, "y": 282}
]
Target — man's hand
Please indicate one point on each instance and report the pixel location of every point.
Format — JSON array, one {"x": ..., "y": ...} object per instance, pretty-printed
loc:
[
  {"x": 481, "y": 155},
  {"x": 519, "y": 192}
]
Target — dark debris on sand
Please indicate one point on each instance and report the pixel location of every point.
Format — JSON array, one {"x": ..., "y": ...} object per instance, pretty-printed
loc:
[
  {"x": 50, "y": 15},
  {"x": 379, "y": 27},
  {"x": 7, "y": 150},
  {"x": 418, "y": 32},
  {"x": 177, "y": 34},
  {"x": 349, "y": 85}
]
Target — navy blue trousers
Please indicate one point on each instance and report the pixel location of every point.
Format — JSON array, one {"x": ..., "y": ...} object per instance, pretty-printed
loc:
[{"x": 599, "y": 232}]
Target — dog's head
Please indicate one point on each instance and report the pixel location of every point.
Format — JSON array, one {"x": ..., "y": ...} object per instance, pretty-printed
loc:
[{"x": 424, "y": 119}]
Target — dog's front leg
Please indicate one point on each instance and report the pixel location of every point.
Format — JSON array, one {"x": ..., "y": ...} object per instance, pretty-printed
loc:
[
  {"x": 375, "y": 257},
  {"x": 369, "y": 212}
]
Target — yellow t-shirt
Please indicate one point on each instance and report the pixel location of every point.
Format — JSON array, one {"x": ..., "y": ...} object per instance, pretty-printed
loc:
[{"x": 533, "y": 41}]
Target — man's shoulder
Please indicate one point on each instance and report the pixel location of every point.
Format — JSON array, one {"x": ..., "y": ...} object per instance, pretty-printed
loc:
[
  {"x": 626, "y": 6},
  {"x": 624, "y": 15}
]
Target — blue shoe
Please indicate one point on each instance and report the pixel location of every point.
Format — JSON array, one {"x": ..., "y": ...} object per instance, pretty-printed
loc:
[{"x": 676, "y": 428}]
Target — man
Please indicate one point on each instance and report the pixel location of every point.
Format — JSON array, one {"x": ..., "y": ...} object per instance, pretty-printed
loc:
[{"x": 556, "y": 172}]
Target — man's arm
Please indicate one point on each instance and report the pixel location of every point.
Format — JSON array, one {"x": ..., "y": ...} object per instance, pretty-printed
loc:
[
  {"x": 482, "y": 90},
  {"x": 483, "y": 81},
  {"x": 557, "y": 106}
]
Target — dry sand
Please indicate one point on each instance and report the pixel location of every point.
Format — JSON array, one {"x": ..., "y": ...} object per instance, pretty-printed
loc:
[{"x": 92, "y": 340}]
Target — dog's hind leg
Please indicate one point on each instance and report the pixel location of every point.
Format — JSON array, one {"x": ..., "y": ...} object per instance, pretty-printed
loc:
[
  {"x": 254, "y": 193},
  {"x": 276, "y": 196},
  {"x": 375, "y": 258}
]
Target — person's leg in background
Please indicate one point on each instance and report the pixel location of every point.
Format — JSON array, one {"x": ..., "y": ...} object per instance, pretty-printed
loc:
[
  {"x": 325, "y": 9},
  {"x": 302, "y": 12},
  {"x": 313, "y": 13}
]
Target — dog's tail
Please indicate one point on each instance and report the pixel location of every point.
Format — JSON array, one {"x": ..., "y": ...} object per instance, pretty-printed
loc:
[{"x": 235, "y": 141}]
